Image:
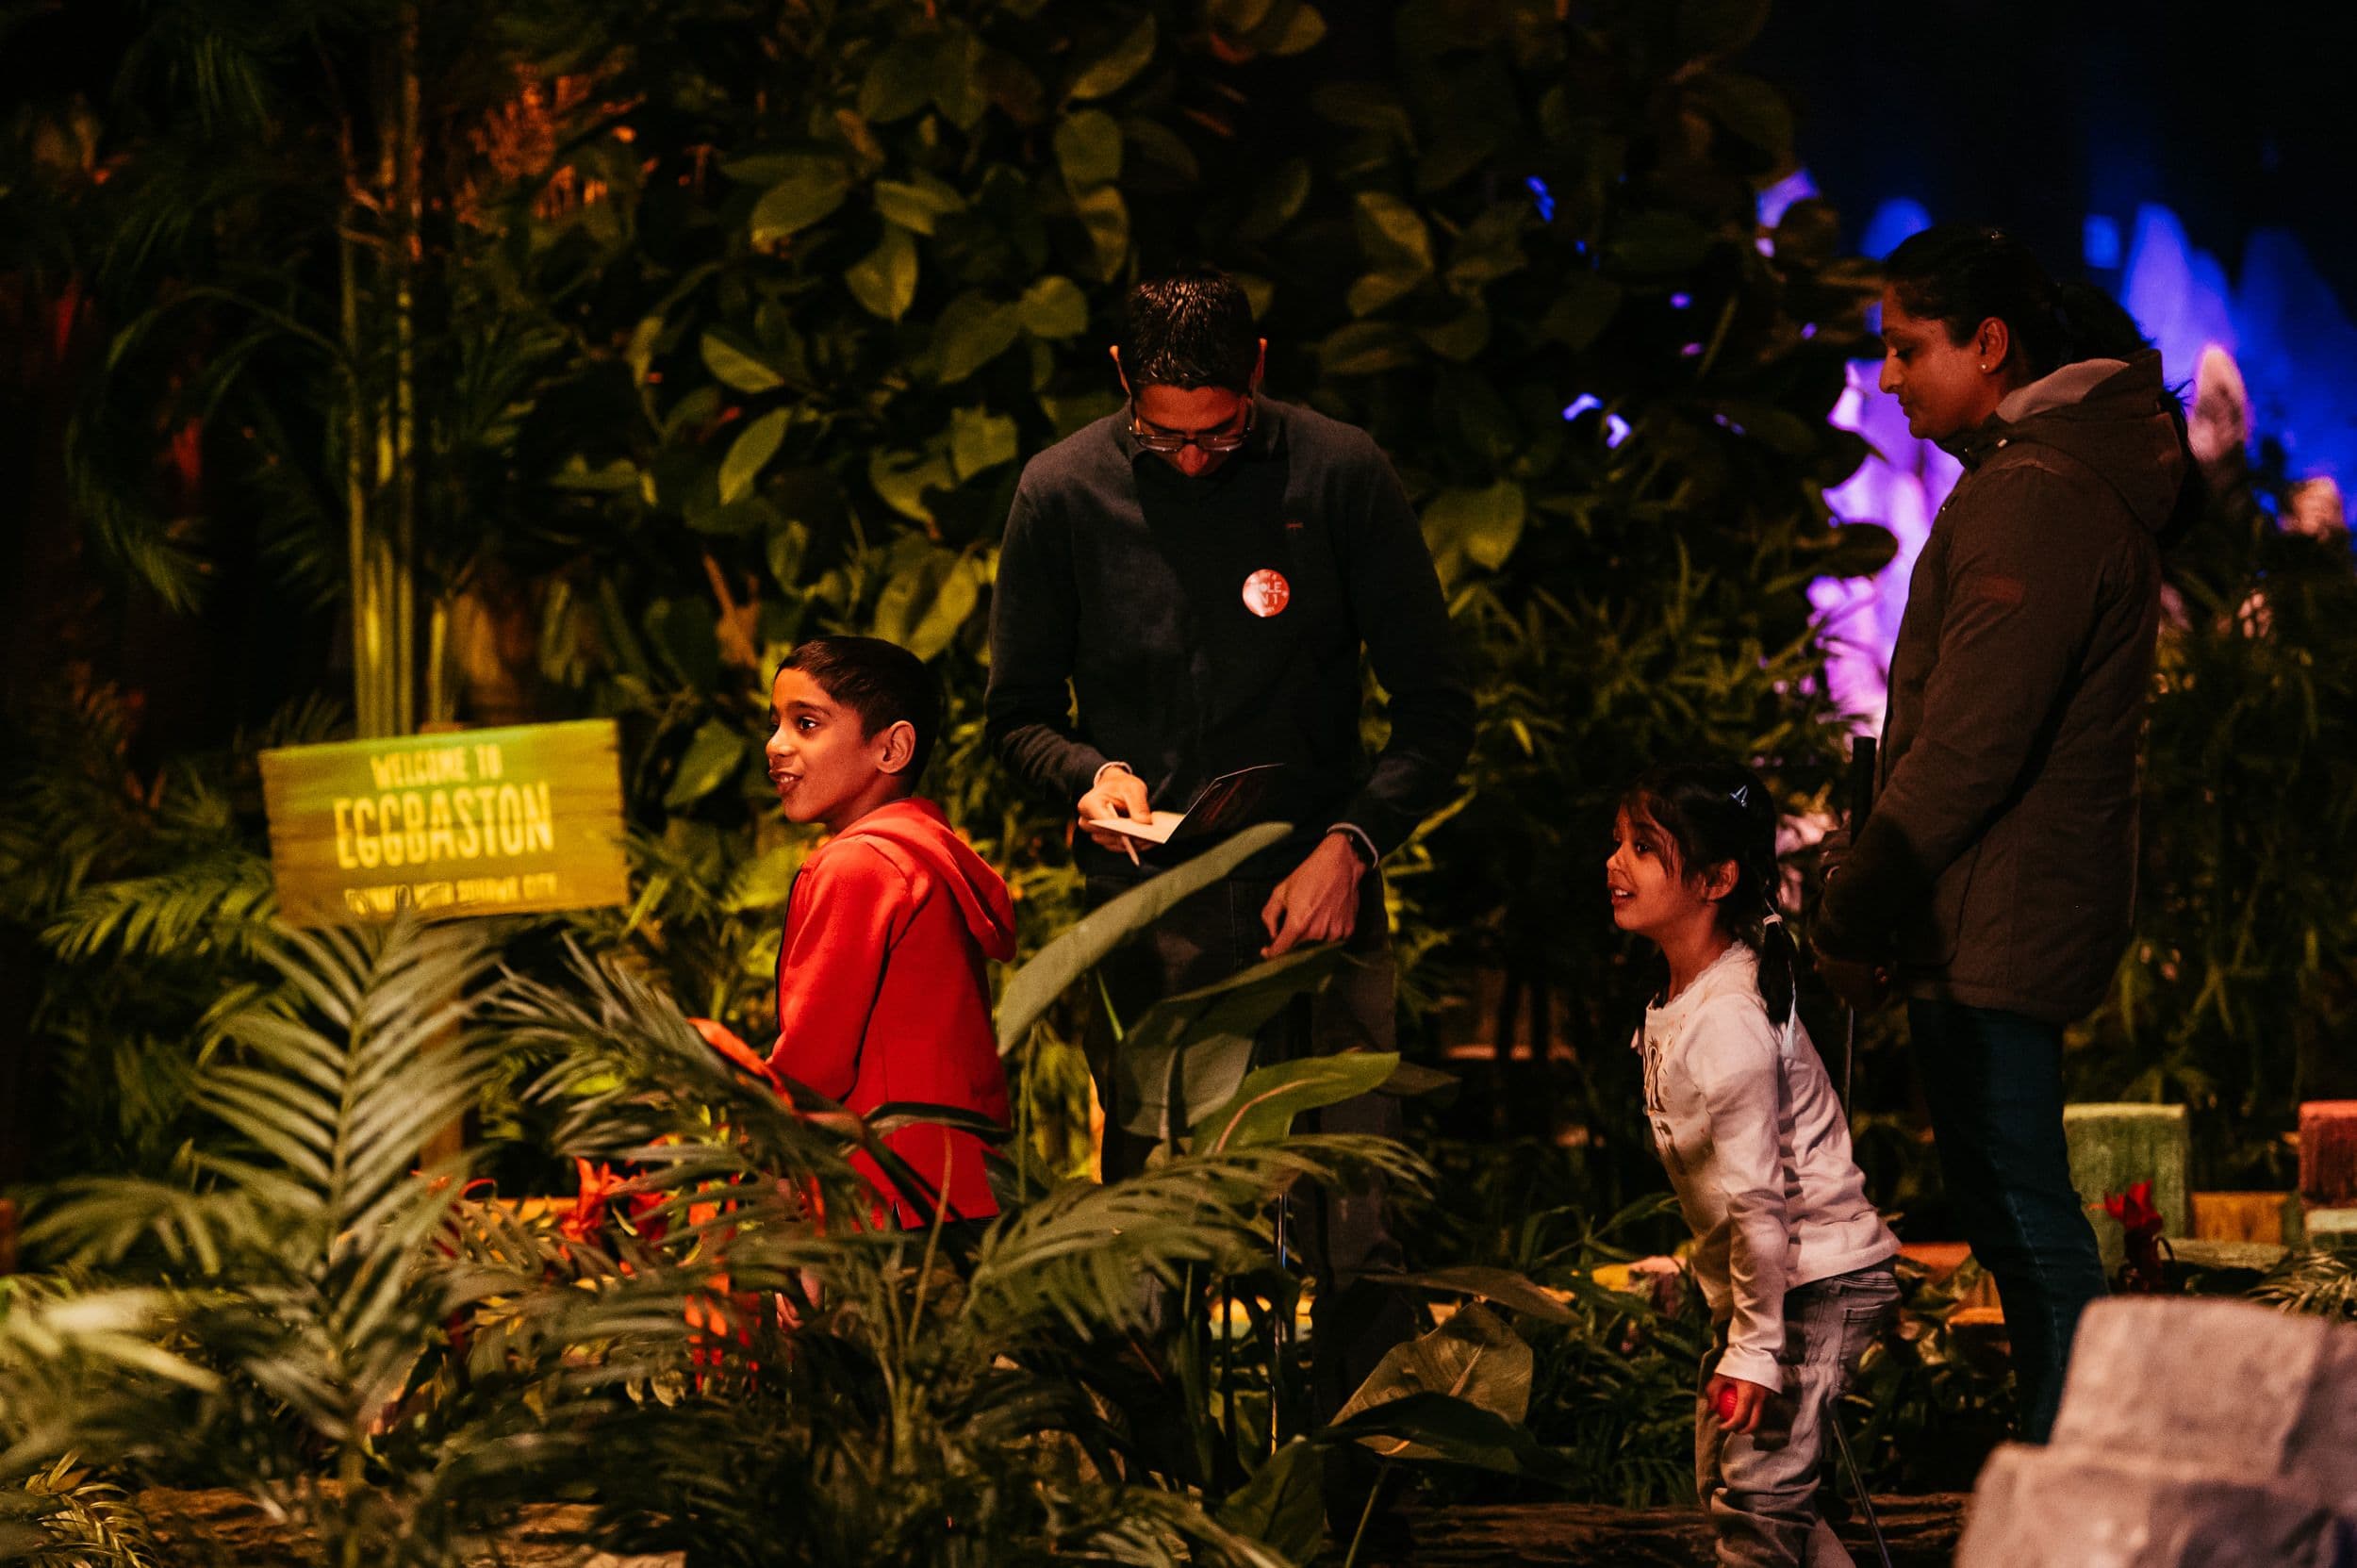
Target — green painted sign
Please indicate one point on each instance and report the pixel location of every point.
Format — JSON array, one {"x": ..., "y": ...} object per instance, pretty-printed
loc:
[{"x": 468, "y": 823}]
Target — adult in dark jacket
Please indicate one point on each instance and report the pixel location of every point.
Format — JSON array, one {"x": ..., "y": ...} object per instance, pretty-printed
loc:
[
  {"x": 1994, "y": 879},
  {"x": 1200, "y": 576}
]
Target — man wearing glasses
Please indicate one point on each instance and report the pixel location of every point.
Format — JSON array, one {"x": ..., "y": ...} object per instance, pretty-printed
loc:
[{"x": 1197, "y": 575}]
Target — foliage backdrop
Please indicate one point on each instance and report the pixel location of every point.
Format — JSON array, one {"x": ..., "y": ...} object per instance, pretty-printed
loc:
[{"x": 710, "y": 326}]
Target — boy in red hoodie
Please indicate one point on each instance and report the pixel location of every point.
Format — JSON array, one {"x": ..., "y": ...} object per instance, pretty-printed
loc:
[{"x": 883, "y": 999}]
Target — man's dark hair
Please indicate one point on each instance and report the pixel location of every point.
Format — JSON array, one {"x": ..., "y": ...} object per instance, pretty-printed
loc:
[
  {"x": 882, "y": 681},
  {"x": 1190, "y": 329}
]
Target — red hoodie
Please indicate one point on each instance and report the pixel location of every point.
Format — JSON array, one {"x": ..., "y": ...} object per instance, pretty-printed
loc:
[{"x": 881, "y": 995}]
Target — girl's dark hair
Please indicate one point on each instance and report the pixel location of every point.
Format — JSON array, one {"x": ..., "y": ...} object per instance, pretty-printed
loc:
[
  {"x": 1712, "y": 813},
  {"x": 1960, "y": 275}
]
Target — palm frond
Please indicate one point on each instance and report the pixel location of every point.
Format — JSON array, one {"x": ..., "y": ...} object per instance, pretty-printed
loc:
[
  {"x": 223, "y": 901},
  {"x": 72, "y": 1519},
  {"x": 1077, "y": 1256},
  {"x": 2321, "y": 1281}
]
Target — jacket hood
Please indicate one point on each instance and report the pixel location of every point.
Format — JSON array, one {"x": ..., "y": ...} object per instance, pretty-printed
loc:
[
  {"x": 917, "y": 828},
  {"x": 2116, "y": 416}
]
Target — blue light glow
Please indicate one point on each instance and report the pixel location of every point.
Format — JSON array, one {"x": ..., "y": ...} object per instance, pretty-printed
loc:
[
  {"x": 2099, "y": 242},
  {"x": 1896, "y": 220},
  {"x": 1541, "y": 198},
  {"x": 1679, "y": 302},
  {"x": 1616, "y": 429}
]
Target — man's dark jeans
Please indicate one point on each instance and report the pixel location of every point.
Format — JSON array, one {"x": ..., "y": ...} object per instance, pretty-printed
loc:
[
  {"x": 1343, "y": 1235},
  {"x": 1994, "y": 1083}
]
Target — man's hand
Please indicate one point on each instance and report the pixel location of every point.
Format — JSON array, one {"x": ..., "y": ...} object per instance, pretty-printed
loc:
[
  {"x": 1859, "y": 984},
  {"x": 1738, "y": 1404},
  {"x": 1319, "y": 902},
  {"x": 1117, "y": 792}
]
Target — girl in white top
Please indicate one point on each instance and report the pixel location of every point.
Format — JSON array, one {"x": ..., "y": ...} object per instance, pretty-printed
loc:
[{"x": 1792, "y": 1258}]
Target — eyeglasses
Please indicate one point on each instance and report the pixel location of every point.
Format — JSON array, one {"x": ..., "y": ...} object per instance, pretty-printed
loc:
[{"x": 1168, "y": 441}]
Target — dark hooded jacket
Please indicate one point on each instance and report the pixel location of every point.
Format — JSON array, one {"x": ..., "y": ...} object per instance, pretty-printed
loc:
[{"x": 1997, "y": 865}]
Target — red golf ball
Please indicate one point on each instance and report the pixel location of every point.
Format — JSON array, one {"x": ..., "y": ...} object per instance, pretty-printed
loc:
[{"x": 1726, "y": 1404}]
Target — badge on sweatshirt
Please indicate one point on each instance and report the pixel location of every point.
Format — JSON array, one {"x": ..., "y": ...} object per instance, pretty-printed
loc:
[{"x": 1266, "y": 592}]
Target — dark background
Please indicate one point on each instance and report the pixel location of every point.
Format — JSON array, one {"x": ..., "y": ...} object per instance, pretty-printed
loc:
[{"x": 2035, "y": 115}]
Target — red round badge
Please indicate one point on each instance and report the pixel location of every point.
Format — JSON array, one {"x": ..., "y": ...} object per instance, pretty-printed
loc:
[{"x": 1265, "y": 592}]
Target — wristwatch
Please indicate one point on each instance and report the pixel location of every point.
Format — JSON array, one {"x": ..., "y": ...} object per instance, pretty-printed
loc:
[{"x": 1360, "y": 844}]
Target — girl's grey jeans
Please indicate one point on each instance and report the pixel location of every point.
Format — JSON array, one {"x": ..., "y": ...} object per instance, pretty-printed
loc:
[{"x": 1761, "y": 1488}]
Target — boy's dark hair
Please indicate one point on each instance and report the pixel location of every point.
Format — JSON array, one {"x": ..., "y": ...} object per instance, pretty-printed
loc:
[
  {"x": 1190, "y": 329},
  {"x": 882, "y": 681},
  {"x": 1712, "y": 813}
]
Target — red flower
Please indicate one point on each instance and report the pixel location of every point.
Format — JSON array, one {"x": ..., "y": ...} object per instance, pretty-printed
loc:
[{"x": 2133, "y": 1210}]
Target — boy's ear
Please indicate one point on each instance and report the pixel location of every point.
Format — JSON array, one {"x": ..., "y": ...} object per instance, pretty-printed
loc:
[{"x": 895, "y": 748}]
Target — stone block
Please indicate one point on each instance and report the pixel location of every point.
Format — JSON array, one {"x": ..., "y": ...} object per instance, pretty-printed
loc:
[
  {"x": 2114, "y": 1147},
  {"x": 2259, "y": 1393},
  {"x": 2243, "y": 1216},
  {"x": 2332, "y": 1228},
  {"x": 2193, "y": 1431},
  {"x": 2041, "y": 1508},
  {"x": 2327, "y": 1153}
]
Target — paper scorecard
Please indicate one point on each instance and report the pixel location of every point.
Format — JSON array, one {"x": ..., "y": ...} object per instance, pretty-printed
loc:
[{"x": 1227, "y": 803}]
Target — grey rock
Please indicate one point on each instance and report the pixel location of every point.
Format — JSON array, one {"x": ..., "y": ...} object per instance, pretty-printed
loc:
[{"x": 2193, "y": 1434}]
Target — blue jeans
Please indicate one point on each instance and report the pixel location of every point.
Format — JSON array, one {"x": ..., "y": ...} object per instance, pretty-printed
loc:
[
  {"x": 1761, "y": 1488},
  {"x": 1994, "y": 1083}
]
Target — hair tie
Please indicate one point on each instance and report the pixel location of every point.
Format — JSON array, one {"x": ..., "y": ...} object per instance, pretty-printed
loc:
[
  {"x": 1772, "y": 920},
  {"x": 1741, "y": 795}
]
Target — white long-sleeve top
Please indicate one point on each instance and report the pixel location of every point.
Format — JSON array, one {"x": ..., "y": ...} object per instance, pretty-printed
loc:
[{"x": 1758, "y": 1149}]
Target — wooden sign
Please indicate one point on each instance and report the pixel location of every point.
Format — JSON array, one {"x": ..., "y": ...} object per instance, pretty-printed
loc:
[{"x": 467, "y": 822}]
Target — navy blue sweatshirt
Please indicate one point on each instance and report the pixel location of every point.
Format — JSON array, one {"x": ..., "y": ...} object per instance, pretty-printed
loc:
[{"x": 1129, "y": 580}]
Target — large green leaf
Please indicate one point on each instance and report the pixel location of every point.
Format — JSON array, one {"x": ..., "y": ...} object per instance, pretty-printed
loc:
[
  {"x": 1238, "y": 16},
  {"x": 1265, "y": 1104},
  {"x": 711, "y": 759},
  {"x": 918, "y": 204},
  {"x": 901, "y": 479},
  {"x": 1088, "y": 148},
  {"x": 884, "y": 280},
  {"x": 979, "y": 439},
  {"x": 1188, "y": 1055},
  {"x": 971, "y": 331},
  {"x": 1106, "y": 216},
  {"x": 1284, "y": 1502},
  {"x": 1114, "y": 70},
  {"x": 926, "y": 603},
  {"x": 750, "y": 452},
  {"x": 738, "y": 365},
  {"x": 1583, "y": 308},
  {"x": 1365, "y": 348},
  {"x": 1452, "y": 1431},
  {"x": 1033, "y": 988},
  {"x": 813, "y": 189},
  {"x": 900, "y": 81},
  {"x": 1753, "y": 111},
  {"x": 1473, "y": 1358},
  {"x": 1483, "y": 526},
  {"x": 1300, "y": 33},
  {"x": 1393, "y": 236},
  {"x": 1053, "y": 307},
  {"x": 1276, "y": 201},
  {"x": 1500, "y": 1285}
]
